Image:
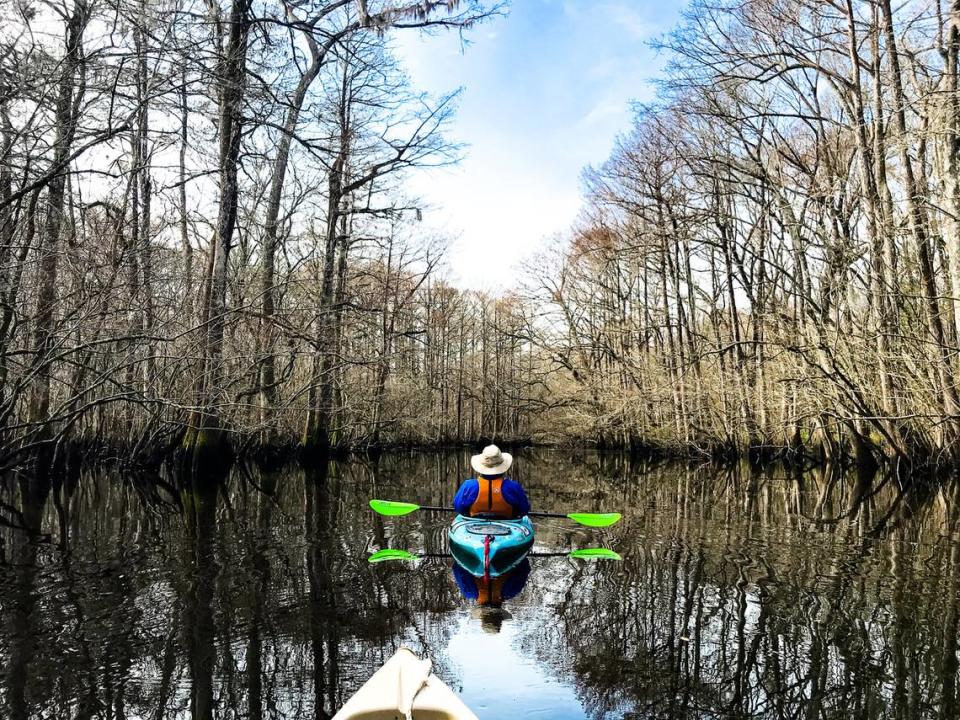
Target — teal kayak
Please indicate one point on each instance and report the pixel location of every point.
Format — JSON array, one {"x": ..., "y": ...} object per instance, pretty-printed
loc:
[{"x": 489, "y": 548}]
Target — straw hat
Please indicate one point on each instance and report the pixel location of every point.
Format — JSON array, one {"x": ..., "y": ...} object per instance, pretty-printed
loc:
[{"x": 491, "y": 461}]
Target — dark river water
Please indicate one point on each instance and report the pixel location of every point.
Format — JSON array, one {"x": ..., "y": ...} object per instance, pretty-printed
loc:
[{"x": 740, "y": 594}]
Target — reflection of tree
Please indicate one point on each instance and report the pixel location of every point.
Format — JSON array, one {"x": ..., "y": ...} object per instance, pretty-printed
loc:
[
  {"x": 951, "y": 627},
  {"x": 200, "y": 511},
  {"x": 738, "y": 606},
  {"x": 320, "y": 514},
  {"x": 78, "y": 551},
  {"x": 259, "y": 590},
  {"x": 19, "y": 627},
  {"x": 800, "y": 595}
]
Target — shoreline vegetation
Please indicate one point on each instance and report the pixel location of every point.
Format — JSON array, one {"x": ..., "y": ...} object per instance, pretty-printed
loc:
[
  {"x": 77, "y": 454},
  {"x": 208, "y": 247}
]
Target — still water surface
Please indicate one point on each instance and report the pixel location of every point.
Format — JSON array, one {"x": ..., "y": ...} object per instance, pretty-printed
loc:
[{"x": 741, "y": 594}]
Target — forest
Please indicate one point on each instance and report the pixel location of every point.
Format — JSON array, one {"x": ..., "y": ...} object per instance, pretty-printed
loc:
[
  {"x": 770, "y": 258},
  {"x": 208, "y": 244}
]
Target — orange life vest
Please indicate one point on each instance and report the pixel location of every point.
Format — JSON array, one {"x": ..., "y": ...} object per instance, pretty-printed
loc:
[
  {"x": 489, "y": 591},
  {"x": 490, "y": 501}
]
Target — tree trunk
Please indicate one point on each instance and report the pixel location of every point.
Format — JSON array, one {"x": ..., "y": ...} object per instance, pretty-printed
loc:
[
  {"x": 316, "y": 436},
  {"x": 185, "y": 244},
  {"x": 268, "y": 390},
  {"x": 72, "y": 86},
  {"x": 952, "y": 221},
  {"x": 206, "y": 437},
  {"x": 918, "y": 228}
]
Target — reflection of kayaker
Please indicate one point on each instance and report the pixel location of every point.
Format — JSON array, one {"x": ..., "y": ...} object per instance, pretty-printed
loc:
[
  {"x": 491, "y": 592},
  {"x": 491, "y": 493},
  {"x": 491, "y": 619}
]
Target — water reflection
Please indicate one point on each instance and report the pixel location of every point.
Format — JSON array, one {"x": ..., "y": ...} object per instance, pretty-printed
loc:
[
  {"x": 198, "y": 628},
  {"x": 491, "y": 592},
  {"x": 18, "y": 611},
  {"x": 741, "y": 594}
]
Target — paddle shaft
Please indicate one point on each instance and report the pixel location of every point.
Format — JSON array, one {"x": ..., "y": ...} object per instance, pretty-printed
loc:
[
  {"x": 448, "y": 556},
  {"x": 529, "y": 555},
  {"x": 437, "y": 508},
  {"x": 392, "y": 508}
]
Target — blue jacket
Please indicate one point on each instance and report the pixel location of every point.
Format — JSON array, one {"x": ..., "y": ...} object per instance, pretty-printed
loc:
[{"x": 512, "y": 492}]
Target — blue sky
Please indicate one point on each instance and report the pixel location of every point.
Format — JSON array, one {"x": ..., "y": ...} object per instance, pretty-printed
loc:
[{"x": 546, "y": 90}]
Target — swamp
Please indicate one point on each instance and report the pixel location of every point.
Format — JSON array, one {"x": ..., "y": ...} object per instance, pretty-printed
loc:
[{"x": 695, "y": 263}]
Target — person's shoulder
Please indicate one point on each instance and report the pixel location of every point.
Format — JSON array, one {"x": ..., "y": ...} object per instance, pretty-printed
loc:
[{"x": 469, "y": 485}]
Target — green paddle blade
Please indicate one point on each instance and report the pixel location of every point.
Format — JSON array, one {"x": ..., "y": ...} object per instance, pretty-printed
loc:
[
  {"x": 390, "y": 554},
  {"x": 595, "y": 519},
  {"x": 392, "y": 508},
  {"x": 595, "y": 554}
]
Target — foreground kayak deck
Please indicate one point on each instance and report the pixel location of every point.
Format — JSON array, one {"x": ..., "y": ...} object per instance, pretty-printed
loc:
[
  {"x": 404, "y": 689},
  {"x": 503, "y": 542}
]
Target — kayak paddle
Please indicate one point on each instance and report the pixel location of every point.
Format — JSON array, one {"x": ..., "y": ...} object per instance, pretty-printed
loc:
[
  {"x": 390, "y": 554},
  {"x": 393, "y": 508},
  {"x": 582, "y": 554}
]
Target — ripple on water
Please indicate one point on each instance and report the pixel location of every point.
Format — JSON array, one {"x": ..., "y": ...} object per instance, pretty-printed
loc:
[{"x": 738, "y": 596}]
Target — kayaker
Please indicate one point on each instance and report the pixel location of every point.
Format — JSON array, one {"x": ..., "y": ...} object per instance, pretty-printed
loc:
[{"x": 491, "y": 493}]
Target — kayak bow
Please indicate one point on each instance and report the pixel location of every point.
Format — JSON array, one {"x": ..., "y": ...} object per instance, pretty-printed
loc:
[
  {"x": 490, "y": 548},
  {"x": 404, "y": 688}
]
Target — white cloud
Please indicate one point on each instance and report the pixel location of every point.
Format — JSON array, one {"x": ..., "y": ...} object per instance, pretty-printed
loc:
[
  {"x": 603, "y": 112},
  {"x": 547, "y": 90},
  {"x": 499, "y": 211},
  {"x": 627, "y": 17}
]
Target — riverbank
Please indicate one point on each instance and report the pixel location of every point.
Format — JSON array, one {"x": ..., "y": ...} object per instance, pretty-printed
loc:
[{"x": 842, "y": 450}]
